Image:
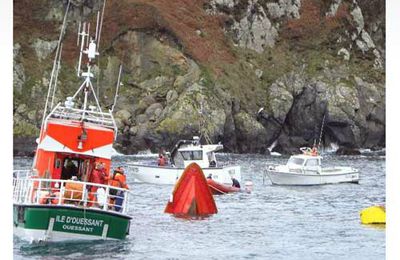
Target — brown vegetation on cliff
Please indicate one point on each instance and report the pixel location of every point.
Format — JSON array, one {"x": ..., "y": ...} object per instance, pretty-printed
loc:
[
  {"x": 200, "y": 35},
  {"x": 314, "y": 25}
]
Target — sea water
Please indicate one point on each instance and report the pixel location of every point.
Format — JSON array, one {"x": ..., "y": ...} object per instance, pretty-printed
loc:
[{"x": 271, "y": 222}]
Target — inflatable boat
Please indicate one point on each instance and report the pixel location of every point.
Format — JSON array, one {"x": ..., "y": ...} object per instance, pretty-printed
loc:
[{"x": 217, "y": 188}]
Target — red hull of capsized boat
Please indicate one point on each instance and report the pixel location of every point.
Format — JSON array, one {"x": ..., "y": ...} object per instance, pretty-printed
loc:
[
  {"x": 191, "y": 195},
  {"x": 219, "y": 188}
]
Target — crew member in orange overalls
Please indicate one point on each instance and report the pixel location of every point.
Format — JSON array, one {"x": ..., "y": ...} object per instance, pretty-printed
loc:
[{"x": 118, "y": 180}]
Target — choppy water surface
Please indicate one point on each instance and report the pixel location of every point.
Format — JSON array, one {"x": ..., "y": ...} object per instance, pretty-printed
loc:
[{"x": 273, "y": 222}]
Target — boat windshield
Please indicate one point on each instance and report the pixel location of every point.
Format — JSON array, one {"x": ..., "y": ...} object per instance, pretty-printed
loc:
[
  {"x": 295, "y": 161},
  {"x": 192, "y": 155}
]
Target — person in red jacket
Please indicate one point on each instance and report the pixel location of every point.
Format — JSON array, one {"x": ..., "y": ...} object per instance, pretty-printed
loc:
[
  {"x": 98, "y": 176},
  {"x": 161, "y": 160}
]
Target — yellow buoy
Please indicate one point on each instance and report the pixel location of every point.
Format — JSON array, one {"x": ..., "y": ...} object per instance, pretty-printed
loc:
[{"x": 373, "y": 215}]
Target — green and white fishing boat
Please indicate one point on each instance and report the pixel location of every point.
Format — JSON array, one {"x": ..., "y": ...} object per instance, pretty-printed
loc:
[{"x": 75, "y": 138}]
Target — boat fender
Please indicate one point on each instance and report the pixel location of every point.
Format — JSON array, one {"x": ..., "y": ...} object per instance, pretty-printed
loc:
[{"x": 101, "y": 196}]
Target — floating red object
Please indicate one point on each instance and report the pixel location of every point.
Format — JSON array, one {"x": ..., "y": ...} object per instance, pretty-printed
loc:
[
  {"x": 191, "y": 195},
  {"x": 219, "y": 188}
]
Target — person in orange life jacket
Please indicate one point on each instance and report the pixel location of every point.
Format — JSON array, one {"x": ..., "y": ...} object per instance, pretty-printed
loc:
[
  {"x": 118, "y": 180},
  {"x": 161, "y": 160}
]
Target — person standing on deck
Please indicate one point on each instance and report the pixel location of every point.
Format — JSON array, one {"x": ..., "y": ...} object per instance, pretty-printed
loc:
[
  {"x": 119, "y": 180},
  {"x": 69, "y": 170},
  {"x": 161, "y": 160},
  {"x": 97, "y": 176}
]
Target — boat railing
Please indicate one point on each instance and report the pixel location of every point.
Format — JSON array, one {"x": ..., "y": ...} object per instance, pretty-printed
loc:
[
  {"x": 92, "y": 116},
  {"x": 37, "y": 191},
  {"x": 17, "y": 174}
]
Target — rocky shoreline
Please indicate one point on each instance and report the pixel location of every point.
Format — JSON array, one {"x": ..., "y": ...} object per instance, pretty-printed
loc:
[{"x": 264, "y": 75}]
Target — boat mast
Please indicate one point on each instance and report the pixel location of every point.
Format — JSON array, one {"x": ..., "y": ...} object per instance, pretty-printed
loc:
[{"x": 322, "y": 129}]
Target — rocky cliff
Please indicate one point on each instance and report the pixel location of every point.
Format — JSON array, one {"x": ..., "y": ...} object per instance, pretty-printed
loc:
[{"x": 265, "y": 74}]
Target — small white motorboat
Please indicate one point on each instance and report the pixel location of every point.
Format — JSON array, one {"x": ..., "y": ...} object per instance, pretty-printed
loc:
[
  {"x": 185, "y": 153},
  {"x": 305, "y": 169}
]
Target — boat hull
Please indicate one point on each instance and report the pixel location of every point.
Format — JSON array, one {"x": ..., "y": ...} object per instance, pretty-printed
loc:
[
  {"x": 36, "y": 223},
  {"x": 288, "y": 178},
  {"x": 170, "y": 175},
  {"x": 191, "y": 196}
]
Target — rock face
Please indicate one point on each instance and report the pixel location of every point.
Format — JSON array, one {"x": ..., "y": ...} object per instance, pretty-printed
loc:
[
  {"x": 254, "y": 75},
  {"x": 255, "y": 31}
]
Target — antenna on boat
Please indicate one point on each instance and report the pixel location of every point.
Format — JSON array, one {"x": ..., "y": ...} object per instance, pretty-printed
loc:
[
  {"x": 81, "y": 34},
  {"x": 79, "y": 29},
  {"x": 101, "y": 25},
  {"x": 117, "y": 88},
  {"x": 97, "y": 25},
  {"x": 88, "y": 33}
]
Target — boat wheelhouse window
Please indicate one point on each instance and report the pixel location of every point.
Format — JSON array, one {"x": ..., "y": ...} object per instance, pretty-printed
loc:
[
  {"x": 296, "y": 161},
  {"x": 197, "y": 155},
  {"x": 192, "y": 155},
  {"x": 312, "y": 162},
  {"x": 187, "y": 155}
]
